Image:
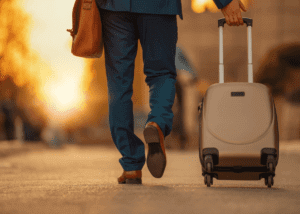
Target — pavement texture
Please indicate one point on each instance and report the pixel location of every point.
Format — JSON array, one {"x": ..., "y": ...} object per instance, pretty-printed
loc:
[{"x": 83, "y": 179}]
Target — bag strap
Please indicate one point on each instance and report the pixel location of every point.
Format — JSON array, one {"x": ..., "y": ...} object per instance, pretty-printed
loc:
[{"x": 75, "y": 18}]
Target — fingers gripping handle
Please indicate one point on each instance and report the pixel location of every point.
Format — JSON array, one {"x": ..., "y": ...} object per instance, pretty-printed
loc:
[{"x": 221, "y": 23}]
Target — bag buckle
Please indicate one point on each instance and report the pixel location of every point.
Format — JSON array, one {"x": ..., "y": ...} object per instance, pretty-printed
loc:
[{"x": 87, "y": 4}]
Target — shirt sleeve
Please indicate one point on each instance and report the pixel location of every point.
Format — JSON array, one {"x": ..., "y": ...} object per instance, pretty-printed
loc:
[{"x": 221, "y": 3}]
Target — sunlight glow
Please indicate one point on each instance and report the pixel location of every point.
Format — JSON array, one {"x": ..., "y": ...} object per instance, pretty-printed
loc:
[
  {"x": 61, "y": 76},
  {"x": 65, "y": 95},
  {"x": 200, "y": 6}
]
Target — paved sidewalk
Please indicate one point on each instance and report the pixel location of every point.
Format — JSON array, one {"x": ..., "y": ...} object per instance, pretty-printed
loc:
[{"x": 83, "y": 179}]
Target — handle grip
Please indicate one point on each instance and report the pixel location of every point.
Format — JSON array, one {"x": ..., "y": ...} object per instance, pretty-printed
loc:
[
  {"x": 221, "y": 23},
  {"x": 247, "y": 21}
]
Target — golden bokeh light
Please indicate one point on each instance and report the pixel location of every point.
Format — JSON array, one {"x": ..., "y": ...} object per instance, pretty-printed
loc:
[
  {"x": 64, "y": 94},
  {"x": 200, "y": 6},
  {"x": 62, "y": 78}
]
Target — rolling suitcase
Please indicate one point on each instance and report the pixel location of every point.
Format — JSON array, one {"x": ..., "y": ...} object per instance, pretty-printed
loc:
[{"x": 238, "y": 132}]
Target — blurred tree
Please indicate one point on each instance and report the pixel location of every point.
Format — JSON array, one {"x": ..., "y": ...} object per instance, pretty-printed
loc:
[
  {"x": 13, "y": 39},
  {"x": 17, "y": 62}
]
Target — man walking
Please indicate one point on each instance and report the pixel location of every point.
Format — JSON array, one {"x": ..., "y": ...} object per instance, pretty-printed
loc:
[{"x": 154, "y": 23}]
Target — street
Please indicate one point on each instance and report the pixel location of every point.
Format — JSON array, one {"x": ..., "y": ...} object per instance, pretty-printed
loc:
[{"x": 83, "y": 179}]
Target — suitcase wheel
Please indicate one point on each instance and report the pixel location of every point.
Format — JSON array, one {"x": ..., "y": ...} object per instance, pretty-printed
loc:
[
  {"x": 269, "y": 181},
  {"x": 209, "y": 167},
  {"x": 208, "y": 180},
  {"x": 271, "y": 167}
]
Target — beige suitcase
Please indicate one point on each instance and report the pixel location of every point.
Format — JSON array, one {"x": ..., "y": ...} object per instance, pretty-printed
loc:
[{"x": 239, "y": 138}]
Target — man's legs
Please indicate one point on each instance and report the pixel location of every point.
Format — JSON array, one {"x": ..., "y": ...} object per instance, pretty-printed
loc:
[
  {"x": 120, "y": 43},
  {"x": 158, "y": 36}
]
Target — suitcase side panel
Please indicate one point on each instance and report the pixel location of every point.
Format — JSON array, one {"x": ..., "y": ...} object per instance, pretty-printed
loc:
[
  {"x": 238, "y": 119},
  {"x": 239, "y": 155}
]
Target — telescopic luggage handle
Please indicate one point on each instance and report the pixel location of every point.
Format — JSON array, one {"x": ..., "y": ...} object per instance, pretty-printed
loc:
[{"x": 249, "y": 23}]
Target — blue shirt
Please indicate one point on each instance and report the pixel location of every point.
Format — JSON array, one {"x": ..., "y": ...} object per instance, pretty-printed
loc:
[
  {"x": 221, "y": 3},
  {"x": 167, "y": 7}
]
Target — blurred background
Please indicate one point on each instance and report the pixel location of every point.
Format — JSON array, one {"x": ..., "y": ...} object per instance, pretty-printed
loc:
[{"x": 50, "y": 96}]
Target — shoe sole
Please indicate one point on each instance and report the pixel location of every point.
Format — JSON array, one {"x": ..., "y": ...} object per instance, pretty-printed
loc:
[
  {"x": 156, "y": 160},
  {"x": 132, "y": 181}
]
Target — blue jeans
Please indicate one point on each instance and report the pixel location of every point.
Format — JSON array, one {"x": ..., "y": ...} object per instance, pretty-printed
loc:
[{"x": 158, "y": 37}]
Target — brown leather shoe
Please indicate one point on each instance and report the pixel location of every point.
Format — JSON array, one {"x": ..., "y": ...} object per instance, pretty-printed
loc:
[
  {"x": 131, "y": 177},
  {"x": 156, "y": 159}
]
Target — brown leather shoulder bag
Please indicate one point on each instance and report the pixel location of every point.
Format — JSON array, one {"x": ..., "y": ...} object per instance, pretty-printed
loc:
[{"x": 86, "y": 30}]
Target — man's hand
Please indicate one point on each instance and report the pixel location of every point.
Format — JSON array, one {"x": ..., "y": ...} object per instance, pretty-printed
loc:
[{"x": 232, "y": 13}]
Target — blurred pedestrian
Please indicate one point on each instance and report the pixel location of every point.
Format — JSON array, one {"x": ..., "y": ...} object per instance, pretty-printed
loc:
[
  {"x": 154, "y": 23},
  {"x": 8, "y": 106},
  {"x": 186, "y": 96},
  {"x": 31, "y": 112},
  {"x": 9, "y": 109}
]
